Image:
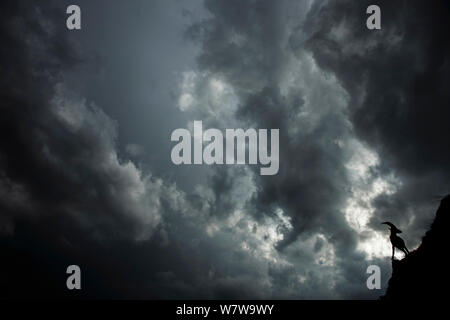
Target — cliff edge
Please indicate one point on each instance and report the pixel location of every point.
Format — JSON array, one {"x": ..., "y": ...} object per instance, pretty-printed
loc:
[{"x": 423, "y": 274}]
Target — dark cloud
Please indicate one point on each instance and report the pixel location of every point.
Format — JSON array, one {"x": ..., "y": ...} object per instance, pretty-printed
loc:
[
  {"x": 362, "y": 118},
  {"x": 64, "y": 189},
  {"x": 397, "y": 79},
  {"x": 253, "y": 55},
  {"x": 387, "y": 106}
]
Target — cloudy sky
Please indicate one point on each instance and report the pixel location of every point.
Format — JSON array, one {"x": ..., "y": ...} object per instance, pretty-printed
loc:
[{"x": 86, "y": 116}]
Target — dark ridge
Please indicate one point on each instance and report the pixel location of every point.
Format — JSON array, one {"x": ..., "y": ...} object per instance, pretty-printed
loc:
[{"x": 423, "y": 274}]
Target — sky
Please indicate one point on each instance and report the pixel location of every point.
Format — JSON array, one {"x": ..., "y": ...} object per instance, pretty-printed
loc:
[{"x": 86, "y": 176}]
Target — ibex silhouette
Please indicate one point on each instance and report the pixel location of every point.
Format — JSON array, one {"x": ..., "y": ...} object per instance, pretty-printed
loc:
[{"x": 396, "y": 241}]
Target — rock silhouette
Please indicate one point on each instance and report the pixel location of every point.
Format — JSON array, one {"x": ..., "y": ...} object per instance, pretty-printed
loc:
[{"x": 423, "y": 274}]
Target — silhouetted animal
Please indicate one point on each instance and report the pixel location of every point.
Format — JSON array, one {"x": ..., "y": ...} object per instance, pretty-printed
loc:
[{"x": 396, "y": 241}]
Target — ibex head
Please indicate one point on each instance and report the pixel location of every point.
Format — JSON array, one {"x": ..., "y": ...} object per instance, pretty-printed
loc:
[{"x": 393, "y": 228}]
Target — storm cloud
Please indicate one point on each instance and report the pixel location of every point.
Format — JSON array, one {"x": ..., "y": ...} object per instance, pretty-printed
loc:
[{"x": 85, "y": 170}]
